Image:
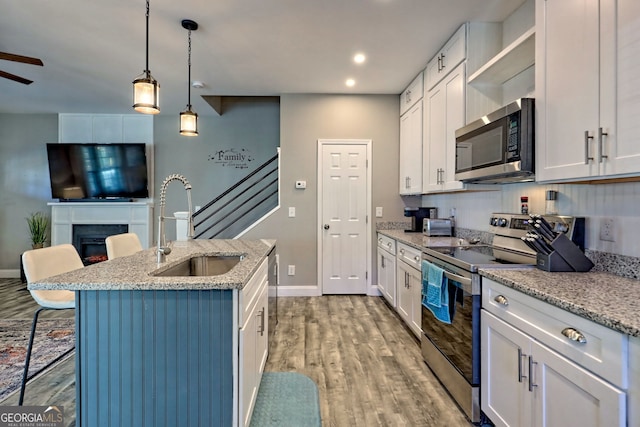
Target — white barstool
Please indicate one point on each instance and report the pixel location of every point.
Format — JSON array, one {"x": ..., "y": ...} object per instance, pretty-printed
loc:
[
  {"x": 120, "y": 245},
  {"x": 39, "y": 264}
]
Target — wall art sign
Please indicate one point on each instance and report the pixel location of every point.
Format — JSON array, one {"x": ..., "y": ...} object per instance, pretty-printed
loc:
[{"x": 238, "y": 158}]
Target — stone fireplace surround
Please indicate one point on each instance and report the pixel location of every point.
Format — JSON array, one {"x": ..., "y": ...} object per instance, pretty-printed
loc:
[{"x": 137, "y": 216}]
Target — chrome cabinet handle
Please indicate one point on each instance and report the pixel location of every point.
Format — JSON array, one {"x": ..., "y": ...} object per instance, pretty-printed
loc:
[
  {"x": 587, "y": 137},
  {"x": 389, "y": 245},
  {"x": 261, "y": 328},
  {"x": 502, "y": 300},
  {"x": 382, "y": 262},
  {"x": 408, "y": 97},
  {"x": 520, "y": 356},
  {"x": 601, "y": 134},
  {"x": 442, "y": 61},
  {"x": 531, "y": 363},
  {"x": 401, "y": 251},
  {"x": 326, "y": 226},
  {"x": 417, "y": 258},
  {"x": 574, "y": 335}
]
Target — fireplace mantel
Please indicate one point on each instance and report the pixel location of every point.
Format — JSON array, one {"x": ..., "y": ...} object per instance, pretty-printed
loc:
[{"x": 137, "y": 215}]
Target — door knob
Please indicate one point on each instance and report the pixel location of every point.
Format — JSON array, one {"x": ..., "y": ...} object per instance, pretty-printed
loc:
[{"x": 326, "y": 226}]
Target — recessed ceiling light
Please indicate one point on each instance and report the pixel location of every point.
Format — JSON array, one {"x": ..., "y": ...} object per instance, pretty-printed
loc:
[
  {"x": 350, "y": 82},
  {"x": 359, "y": 58}
]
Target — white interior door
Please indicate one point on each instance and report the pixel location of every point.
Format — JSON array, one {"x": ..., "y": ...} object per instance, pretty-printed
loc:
[{"x": 343, "y": 212}]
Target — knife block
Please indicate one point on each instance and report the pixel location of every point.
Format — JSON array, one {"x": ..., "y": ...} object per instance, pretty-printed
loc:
[{"x": 566, "y": 256}]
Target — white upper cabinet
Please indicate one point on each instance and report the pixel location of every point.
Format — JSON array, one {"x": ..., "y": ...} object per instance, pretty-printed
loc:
[
  {"x": 588, "y": 96},
  {"x": 451, "y": 54},
  {"x": 412, "y": 94},
  {"x": 411, "y": 151},
  {"x": 411, "y": 137},
  {"x": 444, "y": 113}
]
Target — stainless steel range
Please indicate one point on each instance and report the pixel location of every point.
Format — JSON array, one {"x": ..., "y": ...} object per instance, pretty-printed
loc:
[{"x": 452, "y": 351}]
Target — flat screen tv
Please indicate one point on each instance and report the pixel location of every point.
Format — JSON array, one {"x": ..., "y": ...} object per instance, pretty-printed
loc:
[{"x": 98, "y": 171}]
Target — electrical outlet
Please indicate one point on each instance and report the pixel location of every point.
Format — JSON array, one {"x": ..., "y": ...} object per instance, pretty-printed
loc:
[
  {"x": 292, "y": 212},
  {"x": 292, "y": 270},
  {"x": 379, "y": 212},
  {"x": 607, "y": 229}
]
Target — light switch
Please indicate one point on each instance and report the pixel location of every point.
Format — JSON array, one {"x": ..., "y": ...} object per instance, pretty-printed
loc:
[
  {"x": 379, "y": 212},
  {"x": 292, "y": 212}
]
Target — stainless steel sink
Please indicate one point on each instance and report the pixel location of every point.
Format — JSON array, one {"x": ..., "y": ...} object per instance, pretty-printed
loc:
[{"x": 204, "y": 265}]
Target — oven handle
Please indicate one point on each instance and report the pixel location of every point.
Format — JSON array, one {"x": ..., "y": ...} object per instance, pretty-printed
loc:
[{"x": 464, "y": 280}]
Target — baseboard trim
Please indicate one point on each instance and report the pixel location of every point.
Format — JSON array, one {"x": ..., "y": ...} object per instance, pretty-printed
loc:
[{"x": 10, "y": 274}]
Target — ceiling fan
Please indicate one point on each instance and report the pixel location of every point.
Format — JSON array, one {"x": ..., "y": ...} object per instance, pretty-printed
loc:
[{"x": 18, "y": 58}]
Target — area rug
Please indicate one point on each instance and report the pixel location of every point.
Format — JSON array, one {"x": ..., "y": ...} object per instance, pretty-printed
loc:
[
  {"x": 54, "y": 339},
  {"x": 286, "y": 399}
]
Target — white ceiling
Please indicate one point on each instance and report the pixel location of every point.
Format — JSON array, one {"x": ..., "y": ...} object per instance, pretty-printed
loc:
[{"x": 93, "y": 49}]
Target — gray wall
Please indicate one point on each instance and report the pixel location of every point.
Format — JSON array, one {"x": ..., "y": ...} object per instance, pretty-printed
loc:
[
  {"x": 24, "y": 179},
  {"x": 304, "y": 120},
  {"x": 253, "y": 126}
]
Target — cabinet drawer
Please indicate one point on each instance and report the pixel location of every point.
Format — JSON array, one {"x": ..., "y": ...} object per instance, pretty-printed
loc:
[
  {"x": 604, "y": 352},
  {"x": 248, "y": 296},
  {"x": 387, "y": 243},
  {"x": 412, "y": 94},
  {"x": 411, "y": 256}
]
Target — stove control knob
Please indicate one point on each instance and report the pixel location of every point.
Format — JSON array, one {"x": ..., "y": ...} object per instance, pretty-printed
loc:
[
  {"x": 502, "y": 222},
  {"x": 493, "y": 221}
]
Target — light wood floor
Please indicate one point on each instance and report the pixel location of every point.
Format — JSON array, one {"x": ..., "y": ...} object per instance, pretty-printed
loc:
[{"x": 367, "y": 365}]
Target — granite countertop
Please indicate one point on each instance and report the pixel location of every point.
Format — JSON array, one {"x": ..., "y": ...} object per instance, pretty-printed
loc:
[
  {"x": 420, "y": 241},
  {"x": 607, "y": 299},
  {"x": 133, "y": 272}
]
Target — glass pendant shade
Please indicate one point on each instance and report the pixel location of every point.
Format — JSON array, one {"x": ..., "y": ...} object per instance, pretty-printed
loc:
[
  {"x": 188, "y": 123},
  {"x": 146, "y": 94}
]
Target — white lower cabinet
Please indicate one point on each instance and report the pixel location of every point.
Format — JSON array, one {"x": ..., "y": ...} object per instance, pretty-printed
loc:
[
  {"x": 253, "y": 341},
  {"x": 526, "y": 381},
  {"x": 634, "y": 382},
  {"x": 387, "y": 268},
  {"x": 409, "y": 287}
]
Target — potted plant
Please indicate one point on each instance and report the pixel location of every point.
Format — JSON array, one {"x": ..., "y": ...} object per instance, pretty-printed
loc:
[{"x": 38, "y": 224}]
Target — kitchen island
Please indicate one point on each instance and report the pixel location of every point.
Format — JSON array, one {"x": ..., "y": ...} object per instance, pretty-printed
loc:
[{"x": 156, "y": 350}]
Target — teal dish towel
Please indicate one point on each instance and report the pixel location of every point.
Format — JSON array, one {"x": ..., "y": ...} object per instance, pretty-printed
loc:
[{"x": 435, "y": 293}]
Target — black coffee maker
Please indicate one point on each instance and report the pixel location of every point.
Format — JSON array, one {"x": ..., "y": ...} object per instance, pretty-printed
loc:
[{"x": 417, "y": 217}]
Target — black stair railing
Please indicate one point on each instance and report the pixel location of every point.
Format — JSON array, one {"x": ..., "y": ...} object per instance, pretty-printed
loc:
[{"x": 240, "y": 206}]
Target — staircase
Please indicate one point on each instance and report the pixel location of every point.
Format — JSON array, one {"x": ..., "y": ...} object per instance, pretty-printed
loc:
[{"x": 241, "y": 206}]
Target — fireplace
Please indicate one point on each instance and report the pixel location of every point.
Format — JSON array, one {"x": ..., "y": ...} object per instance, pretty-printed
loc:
[{"x": 88, "y": 240}]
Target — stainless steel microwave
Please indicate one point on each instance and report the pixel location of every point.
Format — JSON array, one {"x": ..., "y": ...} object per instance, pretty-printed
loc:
[{"x": 498, "y": 147}]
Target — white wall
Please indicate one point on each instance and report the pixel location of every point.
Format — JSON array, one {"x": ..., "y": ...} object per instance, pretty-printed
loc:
[{"x": 618, "y": 201}]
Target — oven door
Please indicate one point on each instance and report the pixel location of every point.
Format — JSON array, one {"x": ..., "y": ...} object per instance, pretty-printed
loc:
[{"x": 458, "y": 342}]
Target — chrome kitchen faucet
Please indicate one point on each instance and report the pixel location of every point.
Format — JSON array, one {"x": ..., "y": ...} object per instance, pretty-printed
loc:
[{"x": 162, "y": 249}]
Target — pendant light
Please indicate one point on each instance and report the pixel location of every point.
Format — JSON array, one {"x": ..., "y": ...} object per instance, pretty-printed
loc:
[
  {"x": 189, "y": 119},
  {"x": 145, "y": 88}
]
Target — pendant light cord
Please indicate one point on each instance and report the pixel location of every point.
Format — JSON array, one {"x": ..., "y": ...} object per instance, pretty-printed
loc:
[
  {"x": 147, "y": 64},
  {"x": 189, "y": 79}
]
